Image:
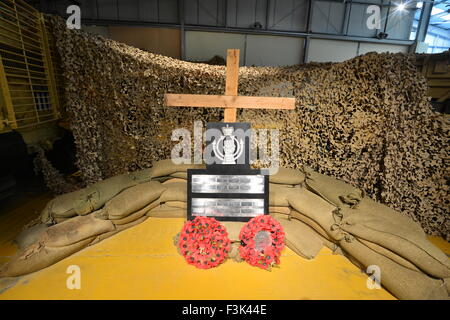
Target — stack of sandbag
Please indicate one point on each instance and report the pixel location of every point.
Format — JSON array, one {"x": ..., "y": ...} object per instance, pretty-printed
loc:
[
  {"x": 172, "y": 202},
  {"x": 42, "y": 245},
  {"x": 373, "y": 234},
  {"x": 315, "y": 211},
  {"x": 91, "y": 198}
]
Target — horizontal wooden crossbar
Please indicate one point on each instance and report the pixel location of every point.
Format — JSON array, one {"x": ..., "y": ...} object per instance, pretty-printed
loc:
[{"x": 198, "y": 100}]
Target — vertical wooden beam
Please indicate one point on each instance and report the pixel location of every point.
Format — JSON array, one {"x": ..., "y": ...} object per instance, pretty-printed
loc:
[
  {"x": 231, "y": 84},
  {"x": 4, "y": 88}
]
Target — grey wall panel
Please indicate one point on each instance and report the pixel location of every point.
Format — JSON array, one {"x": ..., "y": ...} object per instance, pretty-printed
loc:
[
  {"x": 264, "y": 50},
  {"x": 357, "y": 23},
  {"x": 328, "y": 17},
  {"x": 321, "y": 50},
  {"x": 258, "y": 50},
  {"x": 88, "y": 9},
  {"x": 191, "y": 11},
  {"x": 148, "y": 10},
  {"x": 61, "y": 7},
  {"x": 202, "y": 46},
  {"x": 107, "y": 9},
  {"x": 288, "y": 15},
  {"x": 129, "y": 10},
  {"x": 244, "y": 13},
  {"x": 168, "y": 11},
  {"x": 208, "y": 13},
  {"x": 205, "y": 12}
]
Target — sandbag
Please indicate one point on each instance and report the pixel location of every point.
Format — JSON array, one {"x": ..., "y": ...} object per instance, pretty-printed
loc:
[
  {"x": 95, "y": 196},
  {"x": 233, "y": 229},
  {"x": 136, "y": 215},
  {"x": 310, "y": 222},
  {"x": 61, "y": 206},
  {"x": 118, "y": 229},
  {"x": 180, "y": 175},
  {"x": 167, "y": 167},
  {"x": 176, "y": 204},
  {"x": 132, "y": 199},
  {"x": 278, "y": 194},
  {"x": 398, "y": 234},
  {"x": 331, "y": 189},
  {"x": 287, "y": 176},
  {"x": 86, "y": 200},
  {"x": 326, "y": 241},
  {"x": 37, "y": 257},
  {"x": 75, "y": 230},
  {"x": 282, "y": 210},
  {"x": 401, "y": 222},
  {"x": 172, "y": 180},
  {"x": 142, "y": 176},
  {"x": 162, "y": 179},
  {"x": 447, "y": 285},
  {"x": 59, "y": 220},
  {"x": 164, "y": 211},
  {"x": 175, "y": 191},
  {"x": 234, "y": 253},
  {"x": 389, "y": 254},
  {"x": 300, "y": 238},
  {"x": 400, "y": 281},
  {"x": 317, "y": 209},
  {"x": 30, "y": 235}
]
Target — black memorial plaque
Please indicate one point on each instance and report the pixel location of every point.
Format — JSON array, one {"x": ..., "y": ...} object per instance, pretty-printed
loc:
[{"x": 228, "y": 189}]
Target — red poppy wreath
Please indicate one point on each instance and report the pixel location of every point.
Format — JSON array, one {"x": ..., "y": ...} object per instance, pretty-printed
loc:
[
  {"x": 262, "y": 240},
  {"x": 204, "y": 242}
]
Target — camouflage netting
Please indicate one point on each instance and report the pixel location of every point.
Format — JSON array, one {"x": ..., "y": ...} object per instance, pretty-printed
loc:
[{"x": 367, "y": 120}]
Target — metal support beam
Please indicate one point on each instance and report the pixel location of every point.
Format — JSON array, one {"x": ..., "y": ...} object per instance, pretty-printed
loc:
[
  {"x": 387, "y": 16},
  {"x": 424, "y": 21},
  {"x": 306, "y": 49},
  {"x": 308, "y": 30},
  {"x": 182, "y": 31}
]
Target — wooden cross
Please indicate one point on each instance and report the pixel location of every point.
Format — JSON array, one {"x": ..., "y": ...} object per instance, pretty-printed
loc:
[{"x": 230, "y": 101}]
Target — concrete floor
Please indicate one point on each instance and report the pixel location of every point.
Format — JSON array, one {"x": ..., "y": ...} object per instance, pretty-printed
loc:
[{"x": 143, "y": 263}]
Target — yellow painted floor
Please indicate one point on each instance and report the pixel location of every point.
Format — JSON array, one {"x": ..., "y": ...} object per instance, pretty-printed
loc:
[{"x": 143, "y": 263}]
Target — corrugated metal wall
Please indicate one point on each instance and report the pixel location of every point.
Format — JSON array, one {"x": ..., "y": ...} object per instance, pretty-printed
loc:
[
  {"x": 270, "y": 32},
  {"x": 327, "y": 16}
]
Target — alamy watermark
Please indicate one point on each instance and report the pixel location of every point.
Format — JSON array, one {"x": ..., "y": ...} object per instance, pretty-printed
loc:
[
  {"x": 74, "y": 280},
  {"x": 374, "y": 279},
  {"x": 74, "y": 20},
  {"x": 374, "y": 19}
]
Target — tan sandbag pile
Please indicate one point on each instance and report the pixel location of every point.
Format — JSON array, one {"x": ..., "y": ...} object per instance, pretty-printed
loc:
[
  {"x": 30, "y": 235},
  {"x": 132, "y": 199},
  {"x": 315, "y": 210},
  {"x": 367, "y": 121},
  {"x": 373, "y": 234},
  {"x": 91, "y": 198}
]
